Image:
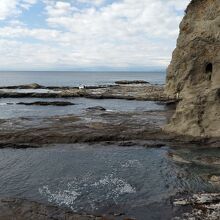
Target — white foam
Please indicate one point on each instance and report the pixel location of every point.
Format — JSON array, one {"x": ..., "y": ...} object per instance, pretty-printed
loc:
[
  {"x": 109, "y": 188},
  {"x": 117, "y": 185},
  {"x": 65, "y": 197},
  {"x": 131, "y": 163}
]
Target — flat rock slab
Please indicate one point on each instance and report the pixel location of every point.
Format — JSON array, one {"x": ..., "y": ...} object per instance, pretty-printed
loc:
[
  {"x": 126, "y": 82},
  {"x": 130, "y": 90},
  {"x": 57, "y": 103}
]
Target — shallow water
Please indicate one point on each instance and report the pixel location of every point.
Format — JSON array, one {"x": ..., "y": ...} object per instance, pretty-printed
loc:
[
  {"x": 27, "y": 91},
  {"x": 9, "y": 109},
  {"x": 100, "y": 179}
]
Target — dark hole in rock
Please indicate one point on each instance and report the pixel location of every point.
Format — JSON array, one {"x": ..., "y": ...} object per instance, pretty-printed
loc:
[{"x": 209, "y": 68}]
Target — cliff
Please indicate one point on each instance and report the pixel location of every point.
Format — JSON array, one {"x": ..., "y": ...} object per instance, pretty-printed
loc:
[{"x": 194, "y": 73}]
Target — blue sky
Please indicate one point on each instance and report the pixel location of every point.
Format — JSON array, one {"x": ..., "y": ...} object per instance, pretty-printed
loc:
[{"x": 88, "y": 34}]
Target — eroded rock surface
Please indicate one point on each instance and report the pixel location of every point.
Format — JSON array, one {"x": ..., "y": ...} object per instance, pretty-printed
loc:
[
  {"x": 201, "y": 206},
  {"x": 126, "y": 90},
  {"x": 194, "y": 73},
  {"x": 93, "y": 125}
]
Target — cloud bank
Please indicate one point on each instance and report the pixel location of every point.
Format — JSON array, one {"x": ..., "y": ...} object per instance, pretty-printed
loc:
[{"x": 82, "y": 34}]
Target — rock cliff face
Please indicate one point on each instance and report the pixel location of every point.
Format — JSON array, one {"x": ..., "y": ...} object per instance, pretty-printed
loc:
[{"x": 194, "y": 73}]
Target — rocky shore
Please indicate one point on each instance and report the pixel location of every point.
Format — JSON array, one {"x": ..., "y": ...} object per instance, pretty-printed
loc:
[
  {"x": 190, "y": 118},
  {"x": 130, "y": 91},
  {"x": 103, "y": 125},
  {"x": 200, "y": 206},
  {"x": 93, "y": 125}
]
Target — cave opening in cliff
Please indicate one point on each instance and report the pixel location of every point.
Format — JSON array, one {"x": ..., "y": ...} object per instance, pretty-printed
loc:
[{"x": 209, "y": 68}]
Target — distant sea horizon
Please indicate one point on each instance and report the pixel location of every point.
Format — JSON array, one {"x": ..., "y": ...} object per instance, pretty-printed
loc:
[{"x": 76, "y": 78}]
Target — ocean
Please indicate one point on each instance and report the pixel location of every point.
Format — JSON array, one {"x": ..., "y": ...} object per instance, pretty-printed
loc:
[{"x": 62, "y": 78}]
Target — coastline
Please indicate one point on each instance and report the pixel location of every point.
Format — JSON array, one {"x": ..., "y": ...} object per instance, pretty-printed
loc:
[{"x": 123, "y": 129}]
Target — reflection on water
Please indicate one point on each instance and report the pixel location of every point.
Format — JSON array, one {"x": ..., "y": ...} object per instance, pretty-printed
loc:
[{"x": 99, "y": 179}]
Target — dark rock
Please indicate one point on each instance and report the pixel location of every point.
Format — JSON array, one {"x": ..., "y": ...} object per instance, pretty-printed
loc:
[
  {"x": 119, "y": 214},
  {"x": 41, "y": 103},
  {"x": 127, "y": 144},
  {"x": 28, "y": 86},
  {"x": 154, "y": 145},
  {"x": 31, "y": 95},
  {"x": 21, "y": 209},
  {"x": 126, "y": 82},
  {"x": 17, "y": 146},
  {"x": 96, "y": 108}
]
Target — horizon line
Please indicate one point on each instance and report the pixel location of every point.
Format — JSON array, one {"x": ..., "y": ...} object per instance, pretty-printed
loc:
[{"x": 149, "y": 70}]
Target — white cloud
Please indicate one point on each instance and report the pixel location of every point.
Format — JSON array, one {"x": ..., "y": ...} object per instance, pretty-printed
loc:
[
  {"x": 11, "y": 8},
  {"x": 178, "y": 5},
  {"x": 7, "y": 8},
  {"x": 59, "y": 8},
  {"x": 122, "y": 34},
  {"x": 95, "y": 2}
]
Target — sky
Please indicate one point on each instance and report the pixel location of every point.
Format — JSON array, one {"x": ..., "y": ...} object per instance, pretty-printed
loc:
[{"x": 88, "y": 34}]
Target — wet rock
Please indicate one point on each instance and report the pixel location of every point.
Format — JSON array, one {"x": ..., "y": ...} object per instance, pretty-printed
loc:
[
  {"x": 208, "y": 160},
  {"x": 146, "y": 92},
  {"x": 17, "y": 146},
  {"x": 96, "y": 108},
  {"x": 102, "y": 127},
  {"x": 8, "y": 94},
  {"x": 178, "y": 158},
  {"x": 200, "y": 206},
  {"x": 119, "y": 214},
  {"x": 42, "y": 103},
  {"x": 28, "y": 86},
  {"x": 213, "y": 179},
  {"x": 154, "y": 145},
  {"x": 126, "y": 144},
  {"x": 95, "y": 126},
  {"x": 127, "y": 82},
  {"x": 25, "y": 210}
]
